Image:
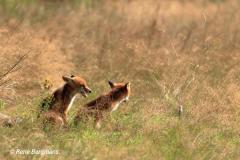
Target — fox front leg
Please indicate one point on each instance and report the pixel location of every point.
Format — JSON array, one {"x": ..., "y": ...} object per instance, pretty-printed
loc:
[
  {"x": 112, "y": 118},
  {"x": 65, "y": 123},
  {"x": 98, "y": 120}
]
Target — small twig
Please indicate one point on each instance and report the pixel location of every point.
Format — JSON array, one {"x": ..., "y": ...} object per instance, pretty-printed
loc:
[
  {"x": 180, "y": 111},
  {"x": 13, "y": 67},
  {"x": 189, "y": 34},
  {"x": 173, "y": 47}
]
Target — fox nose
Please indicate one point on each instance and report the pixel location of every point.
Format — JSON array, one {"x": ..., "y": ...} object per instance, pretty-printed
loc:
[{"x": 89, "y": 90}]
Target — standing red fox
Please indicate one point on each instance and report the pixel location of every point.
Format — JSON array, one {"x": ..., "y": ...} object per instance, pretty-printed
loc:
[
  {"x": 105, "y": 103},
  {"x": 62, "y": 99}
]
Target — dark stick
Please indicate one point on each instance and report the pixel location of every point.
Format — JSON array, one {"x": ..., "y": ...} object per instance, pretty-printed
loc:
[{"x": 13, "y": 67}]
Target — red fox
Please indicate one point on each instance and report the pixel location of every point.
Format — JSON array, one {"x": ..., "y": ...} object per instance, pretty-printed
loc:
[
  {"x": 63, "y": 98},
  {"x": 104, "y": 104}
]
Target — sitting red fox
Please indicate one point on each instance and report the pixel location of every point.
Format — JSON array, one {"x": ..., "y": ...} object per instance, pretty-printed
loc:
[
  {"x": 62, "y": 99},
  {"x": 106, "y": 103}
]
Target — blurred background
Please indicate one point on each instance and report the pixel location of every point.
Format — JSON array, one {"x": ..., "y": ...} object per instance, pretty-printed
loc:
[{"x": 176, "y": 52}]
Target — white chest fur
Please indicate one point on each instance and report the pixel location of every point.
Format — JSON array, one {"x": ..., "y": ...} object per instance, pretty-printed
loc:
[
  {"x": 118, "y": 103},
  {"x": 71, "y": 103},
  {"x": 115, "y": 107}
]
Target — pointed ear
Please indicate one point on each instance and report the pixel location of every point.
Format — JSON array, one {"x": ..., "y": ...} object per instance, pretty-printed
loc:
[
  {"x": 67, "y": 79},
  {"x": 127, "y": 85},
  {"x": 111, "y": 84}
]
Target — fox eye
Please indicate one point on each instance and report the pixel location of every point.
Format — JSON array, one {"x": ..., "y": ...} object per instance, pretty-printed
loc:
[{"x": 81, "y": 86}]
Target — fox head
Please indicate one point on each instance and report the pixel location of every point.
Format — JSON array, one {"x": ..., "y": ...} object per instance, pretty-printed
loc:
[
  {"x": 121, "y": 90},
  {"x": 78, "y": 84}
]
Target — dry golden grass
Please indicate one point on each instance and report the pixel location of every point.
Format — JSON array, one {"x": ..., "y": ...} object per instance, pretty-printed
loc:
[{"x": 173, "y": 52}]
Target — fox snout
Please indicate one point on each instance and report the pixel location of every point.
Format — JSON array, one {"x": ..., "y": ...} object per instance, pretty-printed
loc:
[
  {"x": 87, "y": 90},
  {"x": 126, "y": 100},
  {"x": 84, "y": 91}
]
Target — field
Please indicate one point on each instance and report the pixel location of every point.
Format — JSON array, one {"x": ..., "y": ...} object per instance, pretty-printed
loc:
[{"x": 176, "y": 52}]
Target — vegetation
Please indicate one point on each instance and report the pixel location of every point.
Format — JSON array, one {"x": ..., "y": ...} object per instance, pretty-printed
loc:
[{"x": 173, "y": 53}]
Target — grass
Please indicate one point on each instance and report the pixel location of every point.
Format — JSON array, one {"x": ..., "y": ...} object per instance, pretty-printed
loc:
[
  {"x": 2, "y": 104},
  {"x": 173, "y": 53},
  {"x": 35, "y": 11}
]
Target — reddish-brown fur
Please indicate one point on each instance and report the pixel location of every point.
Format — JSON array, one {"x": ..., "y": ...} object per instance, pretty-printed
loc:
[
  {"x": 105, "y": 103},
  {"x": 63, "y": 97}
]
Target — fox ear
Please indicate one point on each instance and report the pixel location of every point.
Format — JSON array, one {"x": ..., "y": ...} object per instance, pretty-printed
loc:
[
  {"x": 67, "y": 79},
  {"x": 127, "y": 85},
  {"x": 111, "y": 84}
]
